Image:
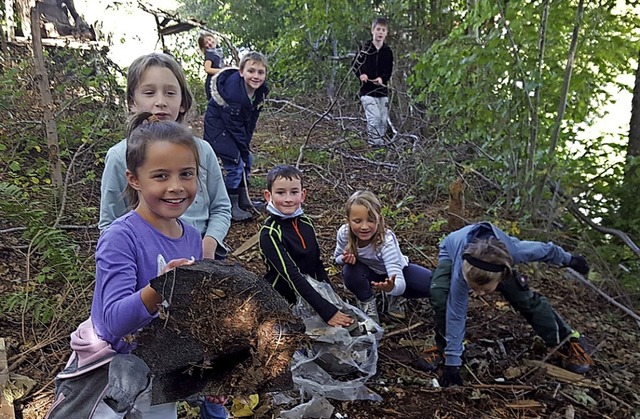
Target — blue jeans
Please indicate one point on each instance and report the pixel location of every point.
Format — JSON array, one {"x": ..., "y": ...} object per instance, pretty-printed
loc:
[{"x": 234, "y": 172}]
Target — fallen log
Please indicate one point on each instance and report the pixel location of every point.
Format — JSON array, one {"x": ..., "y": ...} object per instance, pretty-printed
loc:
[{"x": 222, "y": 331}]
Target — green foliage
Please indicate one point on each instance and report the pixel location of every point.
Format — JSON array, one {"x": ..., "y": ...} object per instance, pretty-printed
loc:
[
  {"x": 89, "y": 119},
  {"x": 483, "y": 93},
  {"x": 41, "y": 309},
  {"x": 401, "y": 216}
]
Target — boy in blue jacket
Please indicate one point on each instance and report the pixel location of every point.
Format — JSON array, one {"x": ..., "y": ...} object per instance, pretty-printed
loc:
[
  {"x": 229, "y": 123},
  {"x": 480, "y": 259}
]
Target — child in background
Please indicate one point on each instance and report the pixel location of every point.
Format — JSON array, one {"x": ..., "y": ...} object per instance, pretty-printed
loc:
[
  {"x": 373, "y": 65},
  {"x": 480, "y": 258},
  {"x": 213, "y": 59},
  {"x": 162, "y": 180},
  {"x": 229, "y": 123},
  {"x": 156, "y": 84},
  {"x": 289, "y": 247},
  {"x": 372, "y": 259}
]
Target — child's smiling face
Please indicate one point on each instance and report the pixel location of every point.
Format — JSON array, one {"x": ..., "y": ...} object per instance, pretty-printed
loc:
[
  {"x": 362, "y": 224},
  {"x": 286, "y": 195},
  {"x": 254, "y": 75},
  {"x": 166, "y": 182},
  {"x": 210, "y": 42}
]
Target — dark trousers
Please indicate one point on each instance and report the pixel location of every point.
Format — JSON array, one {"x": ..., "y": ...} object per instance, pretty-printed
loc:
[
  {"x": 358, "y": 278},
  {"x": 535, "y": 308}
]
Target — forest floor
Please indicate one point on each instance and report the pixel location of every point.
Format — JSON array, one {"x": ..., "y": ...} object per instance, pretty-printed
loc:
[{"x": 501, "y": 377}]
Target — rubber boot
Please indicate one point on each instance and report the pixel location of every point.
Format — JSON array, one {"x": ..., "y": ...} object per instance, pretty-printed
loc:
[
  {"x": 243, "y": 199},
  {"x": 237, "y": 213}
]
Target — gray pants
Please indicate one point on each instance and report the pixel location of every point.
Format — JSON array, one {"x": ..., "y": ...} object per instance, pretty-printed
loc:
[{"x": 376, "y": 110}]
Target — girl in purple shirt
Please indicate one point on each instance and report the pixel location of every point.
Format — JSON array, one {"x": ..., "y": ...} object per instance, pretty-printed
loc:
[{"x": 162, "y": 173}]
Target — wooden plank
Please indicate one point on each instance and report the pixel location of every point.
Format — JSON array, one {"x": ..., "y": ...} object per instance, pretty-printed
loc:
[
  {"x": 563, "y": 375},
  {"x": 252, "y": 241}
]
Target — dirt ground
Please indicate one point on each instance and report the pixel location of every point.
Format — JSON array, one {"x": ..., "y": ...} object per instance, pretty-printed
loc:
[{"x": 501, "y": 378}]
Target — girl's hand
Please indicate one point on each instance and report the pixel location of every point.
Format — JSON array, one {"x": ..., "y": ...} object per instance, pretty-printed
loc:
[
  {"x": 174, "y": 263},
  {"x": 340, "y": 319},
  {"x": 386, "y": 285},
  {"x": 364, "y": 78},
  {"x": 349, "y": 258},
  {"x": 218, "y": 399},
  {"x": 209, "y": 245}
]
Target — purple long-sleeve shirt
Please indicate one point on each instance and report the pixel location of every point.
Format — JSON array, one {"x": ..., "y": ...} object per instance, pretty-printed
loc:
[{"x": 129, "y": 254}]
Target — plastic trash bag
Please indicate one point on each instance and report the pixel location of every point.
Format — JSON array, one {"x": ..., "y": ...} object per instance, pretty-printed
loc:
[
  {"x": 340, "y": 361},
  {"x": 317, "y": 407}
]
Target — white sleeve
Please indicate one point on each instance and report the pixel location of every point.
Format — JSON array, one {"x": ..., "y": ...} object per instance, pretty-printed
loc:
[
  {"x": 394, "y": 262},
  {"x": 341, "y": 244}
]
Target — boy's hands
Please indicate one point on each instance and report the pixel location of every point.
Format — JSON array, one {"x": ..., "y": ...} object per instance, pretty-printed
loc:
[
  {"x": 340, "y": 319},
  {"x": 386, "y": 285},
  {"x": 378, "y": 81},
  {"x": 349, "y": 258},
  {"x": 364, "y": 78}
]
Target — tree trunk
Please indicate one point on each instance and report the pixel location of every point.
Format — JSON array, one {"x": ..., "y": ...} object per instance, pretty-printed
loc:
[
  {"x": 631, "y": 183},
  {"x": 633, "y": 149},
  {"x": 47, "y": 102},
  {"x": 562, "y": 106}
]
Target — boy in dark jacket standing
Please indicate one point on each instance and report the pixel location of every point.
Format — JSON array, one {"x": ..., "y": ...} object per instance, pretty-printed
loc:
[
  {"x": 229, "y": 123},
  {"x": 373, "y": 66},
  {"x": 289, "y": 247}
]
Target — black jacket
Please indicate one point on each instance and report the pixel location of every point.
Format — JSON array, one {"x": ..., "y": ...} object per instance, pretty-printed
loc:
[
  {"x": 374, "y": 63},
  {"x": 290, "y": 250},
  {"x": 231, "y": 117}
]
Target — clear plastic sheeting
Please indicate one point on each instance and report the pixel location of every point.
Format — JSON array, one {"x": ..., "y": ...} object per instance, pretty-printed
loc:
[
  {"x": 317, "y": 407},
  {"x": 340, "y": 360}
]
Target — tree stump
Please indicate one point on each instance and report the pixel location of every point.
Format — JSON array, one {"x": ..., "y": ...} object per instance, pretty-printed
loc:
[
  {"x": 456, "y": 210},
  {"x": 225, "y": 332}
]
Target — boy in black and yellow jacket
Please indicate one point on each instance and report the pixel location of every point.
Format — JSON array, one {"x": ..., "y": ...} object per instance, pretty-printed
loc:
[{"x": 289, "y": 247}]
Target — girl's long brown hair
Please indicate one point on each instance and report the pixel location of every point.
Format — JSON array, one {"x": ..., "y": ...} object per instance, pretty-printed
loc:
[{"x": 374, "y": 210}]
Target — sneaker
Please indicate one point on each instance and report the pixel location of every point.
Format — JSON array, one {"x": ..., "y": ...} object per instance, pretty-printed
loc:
[
  {"x": 369, "y": 308},
  {"x": 431, "y": 359},
  {"x": 575, "y": 357},
  {"x": 396, "y": 307}
]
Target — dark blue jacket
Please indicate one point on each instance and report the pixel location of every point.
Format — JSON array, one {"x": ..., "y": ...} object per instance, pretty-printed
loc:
[{"x": 231, "y": 116}]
